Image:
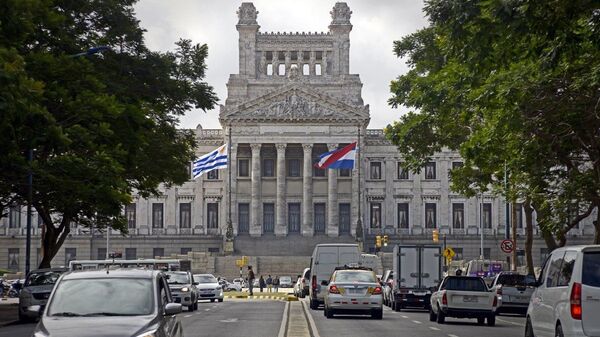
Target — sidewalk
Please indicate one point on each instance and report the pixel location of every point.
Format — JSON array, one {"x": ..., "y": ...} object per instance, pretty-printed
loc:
[{"x": 8, "y": 311}]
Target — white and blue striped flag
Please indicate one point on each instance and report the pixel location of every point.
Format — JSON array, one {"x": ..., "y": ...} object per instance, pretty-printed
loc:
[{"x": 214, "y": 160}]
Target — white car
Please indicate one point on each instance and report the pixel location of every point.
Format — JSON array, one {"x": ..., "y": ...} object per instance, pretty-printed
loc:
[
  {"x": 208, "y": 287},
  {"x": 353, "y": 291},
  {"x": 241, "y": 282},
  {"x": 566, "y": 301}
]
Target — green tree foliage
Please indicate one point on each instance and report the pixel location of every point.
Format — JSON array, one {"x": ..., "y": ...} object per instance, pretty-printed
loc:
[
  {"x": 100, "y": 126},
  {"x": 508, "y": 82}
]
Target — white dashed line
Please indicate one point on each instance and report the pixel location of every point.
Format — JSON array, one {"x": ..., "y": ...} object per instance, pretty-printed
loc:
[
  {"x": 417, "y": 322},
  {"x": 403, "y": 316},
  {"x": 187, "y": 316},
  {"x": 451, "y": 335},
  {"x": 434, "y": 328},
  {"x": 509, "y": 322},
  {"x": 207, "y": 309}
]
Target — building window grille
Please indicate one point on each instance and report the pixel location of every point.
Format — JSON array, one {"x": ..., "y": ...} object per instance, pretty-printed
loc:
[
  {"x": 212, "y": 215},
  {"x": 268, "y": 217},
  {"x": 402, "y": 172},
  {"x": 13, "y": 259},
  {"x": 458, "y": 215},
  {"x": 375, "y": 215},
  {"x": 212, "y": 175},
  {"x": 375, "y": 172},
  {"x": 430, "y": 215},
  {"x": 14, "y": 216},
  {"x": 294, "y": 217},
  {"x": 158, "y": 252},
  {"x": 487, "y": 215},
  {"x": 268, "y": 169},
  {"x": 130, "y": 215},
  {"x": 243, "y": 168},
  {"x": 185, "y": 215},
  {"x": 243, "y": 218},
  {"x": 293, "y": 167},
  {"x": 101, "y": 253},
  {"x": 157, "y": 215},
  {"x": 430, "y": 171},
  {"x": 319, "y": 218},
  {"x": 130, "y": 254},
  {"x": 344, "y": 209},
  {"x": 403, "y": 215}
]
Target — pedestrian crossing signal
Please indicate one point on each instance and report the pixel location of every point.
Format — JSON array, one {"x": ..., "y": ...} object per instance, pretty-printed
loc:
[
  {"x": 378, "y": 241},
  {"x": 385, "y": 240},
  {"x": 435, "y": 236}
]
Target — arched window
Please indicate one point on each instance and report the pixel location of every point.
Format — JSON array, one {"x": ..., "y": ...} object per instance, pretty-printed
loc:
[
  {"x": 270, "y": 69},
  {"x": 318, "y": 69},
  {"x": 305, "y": 69},
  {"x": 281, "y": 70}
]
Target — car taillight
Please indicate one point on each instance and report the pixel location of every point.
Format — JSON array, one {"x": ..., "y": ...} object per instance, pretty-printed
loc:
[
  {"x": 377, "y": 291},
  {"x": 576, "y": 301},
  {"x": 314, "y": 282},
  {"x": 444, "y": 299},
  {"x": 334, "y": 290},
  {"x": 495, "y": 304}
]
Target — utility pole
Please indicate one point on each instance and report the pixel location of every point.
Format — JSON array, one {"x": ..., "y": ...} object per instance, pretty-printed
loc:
[
  {"x": 29, "y": 201},
  {"x": 481, "y": 227}
]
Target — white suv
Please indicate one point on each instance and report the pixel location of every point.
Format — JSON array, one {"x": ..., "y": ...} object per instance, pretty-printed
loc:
[{"x": 566, "y": 301}]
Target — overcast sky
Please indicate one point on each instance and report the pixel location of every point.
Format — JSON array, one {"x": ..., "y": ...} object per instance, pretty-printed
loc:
[{"x": 377, "y": 23}]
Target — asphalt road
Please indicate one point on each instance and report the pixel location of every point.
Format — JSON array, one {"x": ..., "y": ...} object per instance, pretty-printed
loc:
[{"x": 263, "y": 318}]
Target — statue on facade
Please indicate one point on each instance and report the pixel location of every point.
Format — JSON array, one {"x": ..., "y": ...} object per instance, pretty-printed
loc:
[
  {"x": 294, "y": 73},
  {"x": 340, "y": 14},
  {"x": 247, "y": 14}
]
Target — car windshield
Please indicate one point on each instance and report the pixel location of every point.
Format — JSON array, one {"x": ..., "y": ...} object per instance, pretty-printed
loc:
[
  {"x": 103, "y": 297},
  {"x": 591, "y": 269},
  {"x": 42, "y": 278},
  {"x": 205, "y": 279},
  {"x": 465, "y": 284},
  {"x": 512, "y": 280},
  {"x": 355, "y": 276},
  {"x": 178, "y": 278},
  {"x": 285, "y": 279}
]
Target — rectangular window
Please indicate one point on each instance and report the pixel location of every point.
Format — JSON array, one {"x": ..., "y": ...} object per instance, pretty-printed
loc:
[
  {"x": 130, "y": 253},
  {"x": 293, "y": 167},
  {"x": 13, "y": 259},
  {"x": 294, "y": 217},
  {"x": 403, "y": 215},
  {"x": 319, "y": 217},
  {"x": 375, "y": 215},
  {"x": 268, "y": 167},
  {"x": 185, "y": 215},
  {"x": 156, "y": 252},
  {"x": 345, "y": 172},
  {"x": 487, "y": 253},
  {"x": 14, "y": 216},
  {"x": 375, "y": 172},
  {"x": 402, "y": 172},
  {"x": 430, "y": 215},
  {"x": 185, "y": 250},
  {"x": 157, "y": 215},
  {"x": 243, "y": 218},
  {"x": 458, "y": 215},
  {"x": 212, "y": 175},
  {"x": 430, "y": 170},
  {"x": 487, "y": 215},
  {"x": 519, "y": 211},
  {"x": 457, "y": 164},
  {"x": 212, "y": 215},
  {"x": 344, "y": 209},
  {"x": 268, "y": 217},
  {"x": 70, "y": 255},
  {"x": 101, "y": 254},
  {"x": 130, "y": 215},
  {"x": 591, "y": 265},
  {"x": 243, "y": 168}
]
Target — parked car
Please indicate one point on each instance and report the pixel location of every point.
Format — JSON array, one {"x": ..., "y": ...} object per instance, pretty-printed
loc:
[
  {"x": 305, "y": 282},
  {"x": 285, "y": 282},
  {"x": 183, "y": 288},
  {"x": 124, "y": 302},
  {"x": 227, "y": 286},
  {"x": 298, "y": 287},
  {"x": 566, "y": 301},
  {"x": 353, "y": 291},
  {"x": 514, "y": 290},
  {"x": 242, "y": 283},
  {"x": 208, "y": 287},
  {"x": 36, "y": 291},
  {"x": 464, "y": 297},
  {"x": 387, "y": 283}
]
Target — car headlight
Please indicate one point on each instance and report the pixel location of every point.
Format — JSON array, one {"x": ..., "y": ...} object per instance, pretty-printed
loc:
[
  {"x": 185, "y": 289},
  {"x": 39, "y": 334},
  {"x": 150, "y": 333},
  {"x": 218, "y": 288}
]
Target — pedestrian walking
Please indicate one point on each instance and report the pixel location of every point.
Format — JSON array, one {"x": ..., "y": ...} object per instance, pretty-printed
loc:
[
  {"x": 269, "y": 283},
  {"x": 250, "y": 280},
  {"x": 261, "y": 283},
  {"x": 276, "y": 283}
]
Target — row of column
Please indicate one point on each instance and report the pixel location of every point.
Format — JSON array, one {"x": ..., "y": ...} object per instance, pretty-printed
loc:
[
  {"x": 312, "y": 61},
  {"x": 307, "y": 195}
]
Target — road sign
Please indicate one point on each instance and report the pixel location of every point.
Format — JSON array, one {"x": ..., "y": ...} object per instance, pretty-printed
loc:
[
  {"x": 507, "y": 246},
  {"x": 449, "y": 253},
  {"x": 239, "y": 263}
]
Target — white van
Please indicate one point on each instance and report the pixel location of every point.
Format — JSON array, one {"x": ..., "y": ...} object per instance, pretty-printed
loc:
[
  {"x": 566, "y": 301},
  {"x": 325, "y": 258}
]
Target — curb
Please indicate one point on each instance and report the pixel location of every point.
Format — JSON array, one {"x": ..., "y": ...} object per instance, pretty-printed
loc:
[{"x": 289, "y": 298}]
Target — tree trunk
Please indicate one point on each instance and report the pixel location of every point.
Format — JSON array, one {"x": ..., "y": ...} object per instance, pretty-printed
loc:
[
  {"x": 53, "y": 239},
  {"x": 546, "y": 235},
  {"x": 513, "y": 225},
  {"x": 529, "y": 237},
  {"x": 597, "y": 227}
]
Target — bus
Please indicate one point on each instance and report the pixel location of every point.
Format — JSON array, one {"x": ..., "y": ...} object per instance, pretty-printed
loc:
[{"x": 157, "y": 264}]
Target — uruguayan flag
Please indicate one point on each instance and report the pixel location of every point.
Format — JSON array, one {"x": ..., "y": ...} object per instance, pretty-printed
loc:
[{"x": 214, "y": 160}]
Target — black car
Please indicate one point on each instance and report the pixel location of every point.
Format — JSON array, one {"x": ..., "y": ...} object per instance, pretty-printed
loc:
[{"x": 102, "y": 303}]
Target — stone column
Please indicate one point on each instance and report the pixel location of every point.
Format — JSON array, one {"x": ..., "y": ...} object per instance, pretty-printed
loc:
[
  {"x": 389, "y": 206},
  {"x": 307, "y": 195},
  {"x": 255, "y": 225},
  {"x": 233, "y": 189},
  {"x": 332, "y": 200},
  {"x": 280, "y": 223}
]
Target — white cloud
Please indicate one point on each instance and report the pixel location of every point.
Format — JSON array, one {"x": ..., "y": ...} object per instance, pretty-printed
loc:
[{"x": 376, "y": 25}]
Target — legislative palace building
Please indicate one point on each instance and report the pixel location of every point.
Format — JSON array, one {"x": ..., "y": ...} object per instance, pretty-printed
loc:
[{"x": 293, "y": 100}]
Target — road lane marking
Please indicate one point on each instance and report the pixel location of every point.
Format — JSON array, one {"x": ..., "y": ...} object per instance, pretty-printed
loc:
[
  {"x": 187, "y": 316},
  {"x": 311, "y": 321},
  {"x": 403, "y": 316},
  {"x": 509, "y": 322},
  {"x": 451, "y": 335},
  {"x": 417, "y": 322},
  {"x": 284, "y": 319},
  {"x": 229, "y": 320},
  {"x": 207, "y": 309},
  {"x": 434, "y": 328}
]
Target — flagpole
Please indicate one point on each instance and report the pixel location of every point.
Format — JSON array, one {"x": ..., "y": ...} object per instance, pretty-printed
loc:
[
  {"x": 360, "y": 233},
  {"x": 229, "y": 231}
]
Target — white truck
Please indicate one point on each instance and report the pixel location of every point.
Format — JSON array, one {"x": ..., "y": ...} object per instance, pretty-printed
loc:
[
  {"x": 417, "y": 273},
  {"x": 464, "y": 297}
]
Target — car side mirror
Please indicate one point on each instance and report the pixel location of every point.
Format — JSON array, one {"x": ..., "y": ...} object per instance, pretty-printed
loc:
[
  {"x": 172, "y": 309},
  {"x": 324, "y": 283}
]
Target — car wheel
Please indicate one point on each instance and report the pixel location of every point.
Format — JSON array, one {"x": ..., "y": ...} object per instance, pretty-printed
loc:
[
  {"x": 314, "y": 304},
  {"x": 212, "y": 299},
  {"x": 528, "y": 328},
  {"x": 377, "y": 314},
  {"x": 220, "y": 300},
  {"x": 491, "y": 320},
  {"x": 328, "y": 313},
  {"x": 432, "y": 315},
  {"x": 559, "y": 331},
  {"x": 399, "y": 307},
  {"x": 441, "y": 318},
  {"x": 480, "y": 320},
  {"x": 190, "y": 307}
]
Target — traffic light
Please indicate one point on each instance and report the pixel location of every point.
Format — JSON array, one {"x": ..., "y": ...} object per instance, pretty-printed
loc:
[
  {"x": 385, "y": 240},
  {"x": 435, "y": 236},
  {"x": 378, "y": 241}
]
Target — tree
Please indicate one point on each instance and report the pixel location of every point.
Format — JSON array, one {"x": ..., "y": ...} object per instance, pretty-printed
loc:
[
  {"x": 508, "y": 82},
  {"x": 100, "y": 127}
]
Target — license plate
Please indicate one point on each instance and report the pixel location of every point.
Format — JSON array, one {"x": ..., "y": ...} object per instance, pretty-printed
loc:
[
  {"x": 471, "y": 299},
  {"x": 419, "y": 293}
]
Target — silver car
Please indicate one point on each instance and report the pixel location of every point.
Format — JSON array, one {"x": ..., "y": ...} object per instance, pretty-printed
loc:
[
  {"x": 353, "y": 291},
  {"x": 36, "y": 291},
  {"x": 208, "y": 287},
  {"x": 183, "y": 288},
  {"x": 514, "y": 291}
]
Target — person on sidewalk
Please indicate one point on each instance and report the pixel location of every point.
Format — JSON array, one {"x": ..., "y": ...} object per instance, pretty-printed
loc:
[
  {"x": 276, "y": 283},
  {"x": 250, "y": 280},
  {"x": 261, "y": 283},
  {"x": 269, "y": 284}
]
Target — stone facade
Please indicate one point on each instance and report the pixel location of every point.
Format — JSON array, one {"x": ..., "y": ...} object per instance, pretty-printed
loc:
[{"x": 293, "y": 100}]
